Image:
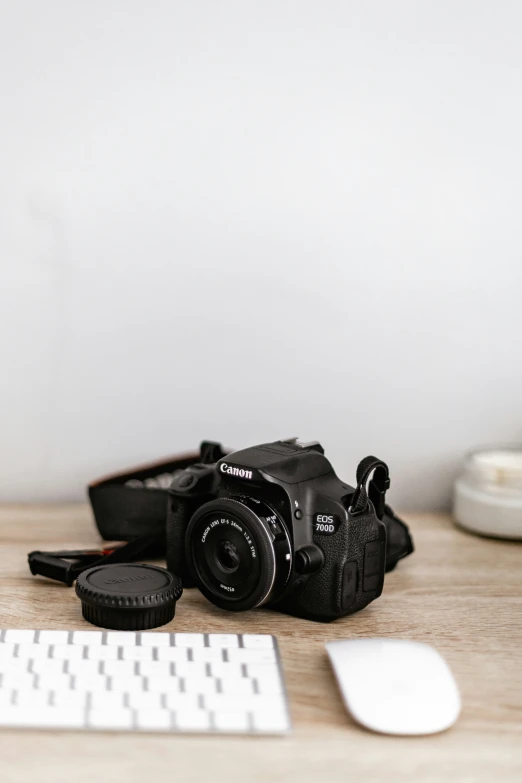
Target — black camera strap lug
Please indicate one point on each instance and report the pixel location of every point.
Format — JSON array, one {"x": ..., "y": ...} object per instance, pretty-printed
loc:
[{"x": 377, "y": 487}]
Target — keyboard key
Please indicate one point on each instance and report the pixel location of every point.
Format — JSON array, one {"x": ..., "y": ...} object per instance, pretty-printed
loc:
[
  {"x": 32, "y": 698},
  {"x": 182, "y": 702},
  {"x": 145, "y": 700},
  {"x": 252, "y": 703},
  {"x": 199, "y": 685},
  {"x": 262, "y": 670},
  {"x": 88, "y": 638},
  {"x": 241, "y": 655},
  {"x": 153, "y": 720},
  {"x": 126, "y": 684},
  {"x": 102, "y": 653},
  {"x": 231, "y": 721},
  {"x": 267, "y": 702},
  {"x": 69, "y": 652},
  {"x": 222, "y": 640},
  {"x": 19, "y": 637},
  {"x": 218, "y": 702},
  {"x": 121, "y": 638},
  {"x": 254, "y": 641},
  {"x": 83, "y": 666},
  {"x": 233, "y": 687},
  {"x": 107, "y": 700},
  {"x": 137, "y": 653},
  {"x": 117, "y": 668},
  {"x": 226, "y": 670},
  {"x": 64, "y": 718},
  {"x": 53, "y": 637},
  {"x": 110, "y": 719},
  {"x": 33, "y": 651},
  {"x": 53, "y": 682},
  {"x": 15, "y": 665},
  {"x": 7, "y": 650},
  {"x": 51, "y": 717},
  {"x": 207, "y": 654},
  {"x": 172, "y": 654},
  {"x": 198, "y": 720},
  {"x": 269, "y": 684},
  {"x": 155, "y": 639},
  {"x": 66, "y": 698},
  {"x": 160, "y": 684},
  {"x": 48, "y": 666},
  {"x": 155, "y": 668},
  {"x": 189, "y": 639},
  {"x": 90, "y": 682},
  {"x": 190, "y": 669},
  {"x": 18, "y": 680}
]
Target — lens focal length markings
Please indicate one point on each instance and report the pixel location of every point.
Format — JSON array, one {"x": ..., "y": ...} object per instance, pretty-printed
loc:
[{"x": 232, "y": 523}]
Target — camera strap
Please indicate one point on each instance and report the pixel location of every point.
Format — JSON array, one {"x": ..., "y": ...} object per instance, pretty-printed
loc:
[
  {"x": 130, "y": 506},
  {"x": 67, "y": 565},
  {"x": 133, "y": 503},
  {"x": 373, "y": 490}
]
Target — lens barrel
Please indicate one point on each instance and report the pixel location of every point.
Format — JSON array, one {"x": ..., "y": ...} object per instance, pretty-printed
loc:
[{"x": 238, "y": 552}]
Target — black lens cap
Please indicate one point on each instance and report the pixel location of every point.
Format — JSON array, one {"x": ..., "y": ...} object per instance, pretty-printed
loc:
[{"x": 128, "y": 596}]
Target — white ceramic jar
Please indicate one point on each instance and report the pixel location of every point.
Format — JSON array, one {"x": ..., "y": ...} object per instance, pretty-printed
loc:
[{"x": 488, "y": 494}]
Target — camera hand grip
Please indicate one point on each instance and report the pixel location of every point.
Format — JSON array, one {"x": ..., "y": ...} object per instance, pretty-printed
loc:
[{"x": 179, "y": 515}]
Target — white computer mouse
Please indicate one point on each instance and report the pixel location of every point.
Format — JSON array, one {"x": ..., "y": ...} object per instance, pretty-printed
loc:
[{"x": 395, "y": 686}]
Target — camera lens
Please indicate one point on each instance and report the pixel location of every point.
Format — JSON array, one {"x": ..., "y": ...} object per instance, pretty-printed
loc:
[
  {"x": 238, "y": 552},
  {"x": 227, "y": 556}
]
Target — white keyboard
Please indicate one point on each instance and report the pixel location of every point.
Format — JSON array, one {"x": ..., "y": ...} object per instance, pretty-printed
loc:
[{"x": 125, "y": 681}]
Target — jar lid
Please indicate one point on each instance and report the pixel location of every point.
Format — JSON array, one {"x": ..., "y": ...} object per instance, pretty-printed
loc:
[
  {"x": 128, "y": 596},
  {"x": 498, "y": 467}
]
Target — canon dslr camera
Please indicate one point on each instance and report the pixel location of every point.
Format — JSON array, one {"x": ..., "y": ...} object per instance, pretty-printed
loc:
[{"x": 273, "y": 525}]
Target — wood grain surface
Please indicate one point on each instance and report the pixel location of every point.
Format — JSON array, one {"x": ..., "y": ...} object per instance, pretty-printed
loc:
[{"x": 459, "y": 593}]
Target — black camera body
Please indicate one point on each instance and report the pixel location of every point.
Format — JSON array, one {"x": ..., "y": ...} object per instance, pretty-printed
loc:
[{"x": 273, "y": 525}]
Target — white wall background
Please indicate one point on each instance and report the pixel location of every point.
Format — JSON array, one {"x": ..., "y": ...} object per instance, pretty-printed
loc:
[{"x": 246, "y": 220}]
